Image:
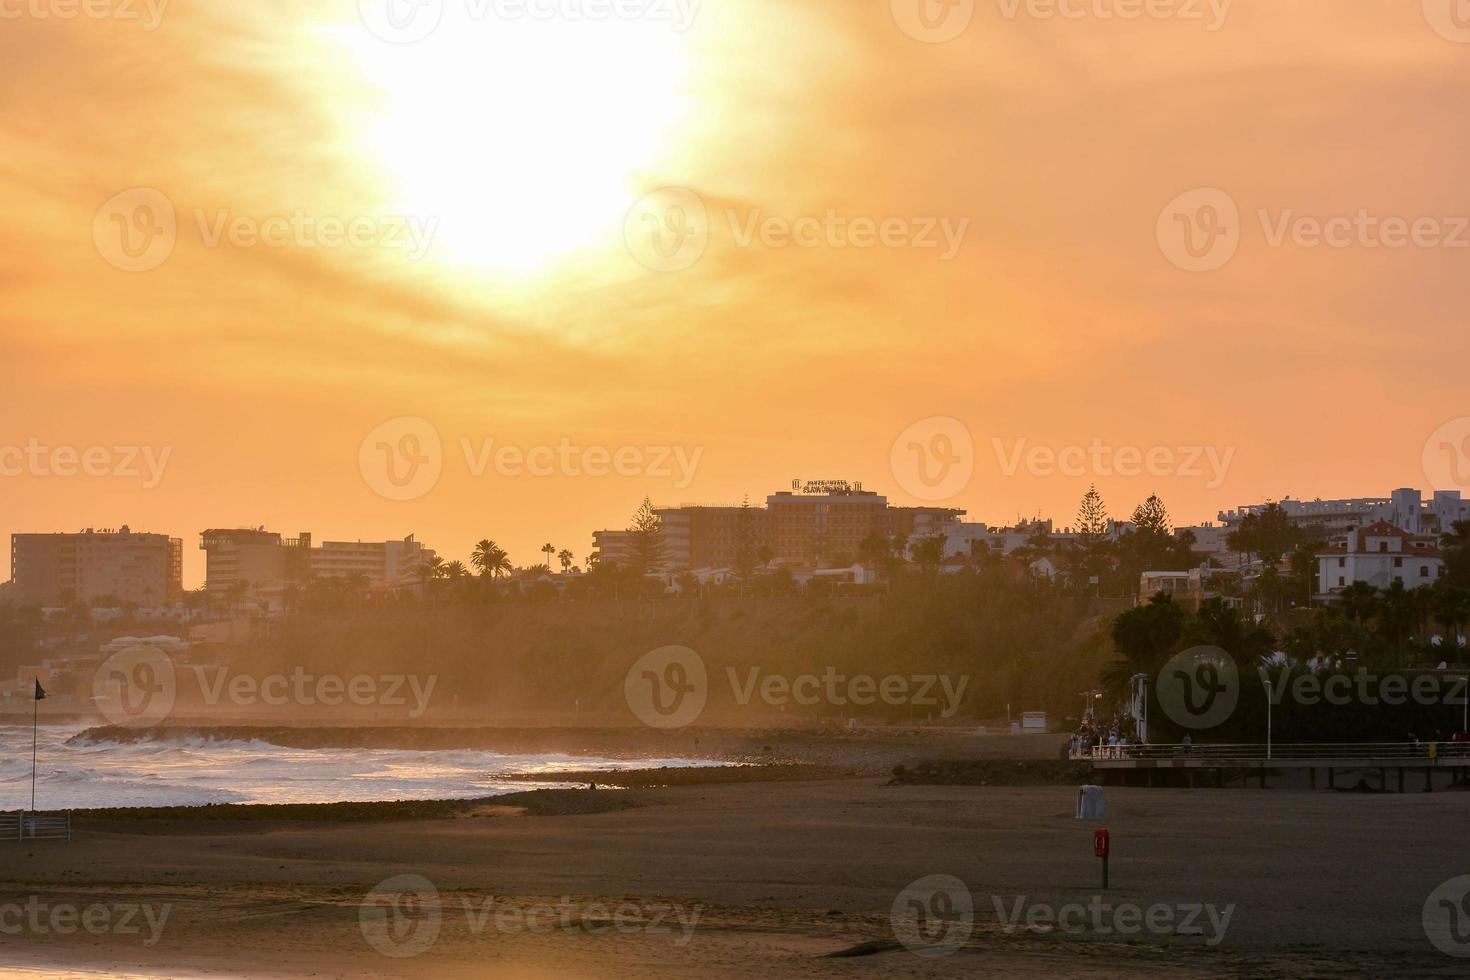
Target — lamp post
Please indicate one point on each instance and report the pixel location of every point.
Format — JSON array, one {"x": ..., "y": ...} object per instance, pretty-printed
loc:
[{"x": 1268, "y": 720}]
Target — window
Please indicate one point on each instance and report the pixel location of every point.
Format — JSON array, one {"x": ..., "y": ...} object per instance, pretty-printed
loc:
[
  {"x": 1341, "y": 581},
  {"x": 1398, "y": 563},
  {"x": 1423, "y": 571},
  {"x": 1342, "y": 563}
]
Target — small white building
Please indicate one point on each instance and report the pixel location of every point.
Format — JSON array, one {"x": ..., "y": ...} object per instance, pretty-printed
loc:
[{"x": 1378, "y": 555}]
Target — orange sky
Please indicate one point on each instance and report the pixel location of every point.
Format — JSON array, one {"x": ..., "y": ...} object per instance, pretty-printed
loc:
[{"x": 1060, "y": 318}]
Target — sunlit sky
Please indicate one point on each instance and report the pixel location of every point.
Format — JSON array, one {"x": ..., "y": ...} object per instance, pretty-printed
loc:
[{"x": 504, "y": 285}]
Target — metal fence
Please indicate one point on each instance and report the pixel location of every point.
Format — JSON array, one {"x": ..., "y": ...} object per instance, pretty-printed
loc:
[
  {"x": 35, "y": 826},
  {"x": 1427, "y": 752}
]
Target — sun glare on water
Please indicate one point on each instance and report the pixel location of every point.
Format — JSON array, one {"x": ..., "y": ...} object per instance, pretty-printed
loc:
[{"x": 523, "y": 138}]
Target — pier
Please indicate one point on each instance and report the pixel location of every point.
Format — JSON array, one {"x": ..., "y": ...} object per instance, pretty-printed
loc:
[{"x": 1421, "y": 758}]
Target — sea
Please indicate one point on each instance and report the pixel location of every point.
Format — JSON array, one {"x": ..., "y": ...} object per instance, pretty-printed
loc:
[{"x": 76, "y": 771}]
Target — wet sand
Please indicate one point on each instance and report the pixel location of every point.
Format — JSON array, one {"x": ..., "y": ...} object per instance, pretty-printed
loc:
[{"x": 780, "y": 874}]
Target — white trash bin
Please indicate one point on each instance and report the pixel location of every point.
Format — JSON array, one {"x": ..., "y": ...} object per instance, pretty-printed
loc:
[{"x": 1090, "y": 803}]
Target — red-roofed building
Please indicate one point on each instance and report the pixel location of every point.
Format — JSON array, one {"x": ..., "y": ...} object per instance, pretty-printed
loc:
[{"x": 1378, "y": 555}]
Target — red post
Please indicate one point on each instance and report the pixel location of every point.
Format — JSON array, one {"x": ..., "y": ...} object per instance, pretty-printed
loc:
[{"x": 1101, "y": 845}]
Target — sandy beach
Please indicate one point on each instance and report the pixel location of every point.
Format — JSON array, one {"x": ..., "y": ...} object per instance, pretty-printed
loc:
[{"x": 793, "y": 876}]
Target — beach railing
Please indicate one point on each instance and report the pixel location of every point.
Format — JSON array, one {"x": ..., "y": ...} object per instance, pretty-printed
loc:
[
  {"x": 1428, "y": 752},
  {"x": 35, "y": 826}
]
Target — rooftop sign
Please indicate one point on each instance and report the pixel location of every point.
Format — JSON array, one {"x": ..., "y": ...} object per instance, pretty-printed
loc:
[{"x": 825, "y": 486}]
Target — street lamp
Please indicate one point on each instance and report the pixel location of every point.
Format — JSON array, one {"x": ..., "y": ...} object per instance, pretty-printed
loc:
[
  {"x": 1268, "y": 719},
  {"x": 1087, "y": 698}
]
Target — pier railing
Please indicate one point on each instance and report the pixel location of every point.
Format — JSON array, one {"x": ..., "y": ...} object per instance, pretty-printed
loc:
[{"x": 1403, "y": 753}]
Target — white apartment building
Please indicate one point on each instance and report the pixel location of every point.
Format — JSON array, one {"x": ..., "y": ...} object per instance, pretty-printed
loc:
[
  {"x": 385, "y": 564},
  {"x": 966, "y": 539},
  {"x": 1378, "y": 555},
  {"x": 1210, "y": 539},
  {"x": 1405, "y": 508},
  {"x": 267, "y": 562}
]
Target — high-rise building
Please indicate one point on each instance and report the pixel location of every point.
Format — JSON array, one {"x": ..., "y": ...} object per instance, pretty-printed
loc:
[
  {"x": 265, "y": 560},
  {"x": 259, "y": 558},
  {"x": 1404, "y": 508},
  {"x": 382, "y": 564},
  {"x": 56, "y": 569},
  {"x": 811, "y": 524}
]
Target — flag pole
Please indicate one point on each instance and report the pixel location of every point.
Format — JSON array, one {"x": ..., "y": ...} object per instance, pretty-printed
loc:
[{"x": 35, "y": 722}]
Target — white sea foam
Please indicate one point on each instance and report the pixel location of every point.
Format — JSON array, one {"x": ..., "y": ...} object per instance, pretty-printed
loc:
[{"x": 75, "y": 773}]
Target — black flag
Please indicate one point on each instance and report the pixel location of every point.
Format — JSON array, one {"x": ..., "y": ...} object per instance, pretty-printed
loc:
[{"x": 40, "y": 691}]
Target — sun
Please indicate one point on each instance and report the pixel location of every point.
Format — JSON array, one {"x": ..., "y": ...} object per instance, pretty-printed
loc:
[{"x": 522, "y": 138}]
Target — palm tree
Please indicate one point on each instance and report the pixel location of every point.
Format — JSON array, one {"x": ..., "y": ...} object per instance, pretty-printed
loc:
[
  {"x": 483, "y": 558},
  {"x": 1396, "y": 614},
  {"x": 1221, "y": 625},
  {"x": 490, "y": 560},
  {"x": 1452, "y": 609},
  {"x": 549, "y": 550},
  {"x": 1359, "y": 602},
  {"x": 430, "y": 569},
  {"x": 566, "y": 559}
]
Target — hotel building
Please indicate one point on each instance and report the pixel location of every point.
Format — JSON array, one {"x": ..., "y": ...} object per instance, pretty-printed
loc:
[
  {"x": 812, "y": 524},
  {"x": 265, "y": 560},
  {"x": 56, "y": 569},
  {"x": 1405, "y": 508}
]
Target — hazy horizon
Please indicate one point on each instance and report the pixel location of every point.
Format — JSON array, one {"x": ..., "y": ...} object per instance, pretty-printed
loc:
[{"x": 1028, "y": 287}]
